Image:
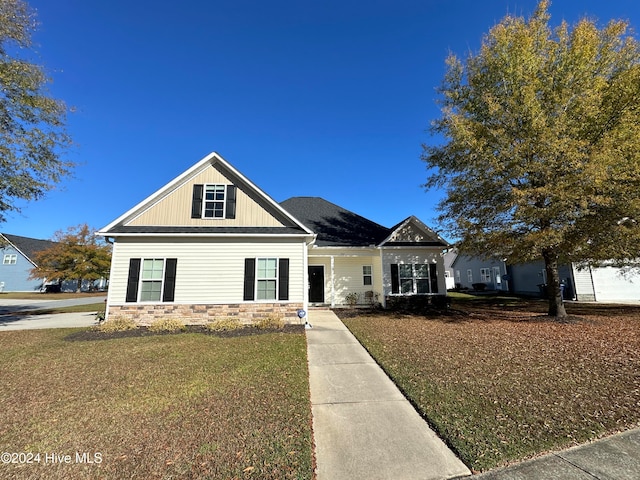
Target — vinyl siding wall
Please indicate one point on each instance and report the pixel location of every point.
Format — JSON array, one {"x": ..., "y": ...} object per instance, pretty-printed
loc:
[
  {"x": 412, "y": 256},
  {"x": 209, "y": 271},
  {"x": 175, "y": 208},
  {"x": 347, "y": 273},
  {"x": 16, "y": 277}
]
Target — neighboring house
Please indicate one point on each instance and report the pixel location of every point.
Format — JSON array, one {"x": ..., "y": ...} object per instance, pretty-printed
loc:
[
  {"x": 17, "y": 254},
  {"x": 449, "y": 273},
  {"x": 468, "y": 271},
  {"x": 583, "y": 283},
  {"x": 210, "y": 243}
]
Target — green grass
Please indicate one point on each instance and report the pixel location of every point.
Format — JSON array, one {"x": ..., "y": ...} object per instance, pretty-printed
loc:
[
  {"x": 169, "y": 406},
  {"x": 501, "y": 384}
]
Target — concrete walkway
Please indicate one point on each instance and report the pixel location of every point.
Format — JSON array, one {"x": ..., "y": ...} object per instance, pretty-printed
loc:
[{"x": 364, "y": 428}]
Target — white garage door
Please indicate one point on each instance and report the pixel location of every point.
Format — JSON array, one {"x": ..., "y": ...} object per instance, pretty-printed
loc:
[{"x": 615, "y": 285}]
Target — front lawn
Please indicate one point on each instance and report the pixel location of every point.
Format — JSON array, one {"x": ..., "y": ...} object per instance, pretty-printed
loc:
[
  {"x": 499, "y": 383},
  {"x": 168, "y": 406}
]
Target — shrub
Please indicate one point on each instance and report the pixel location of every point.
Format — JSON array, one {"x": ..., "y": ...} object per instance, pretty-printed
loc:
[
  {"x": 224, "y": 324},
  {"x": 272, "y": 321},
  {"x": 351, "y": 298},
  {"x": 117, "y": 324},
  {"x": 167, "y": 325}
]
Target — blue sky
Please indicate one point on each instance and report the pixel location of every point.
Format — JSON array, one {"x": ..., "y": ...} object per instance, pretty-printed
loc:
[{"x": 327, "y": 98}]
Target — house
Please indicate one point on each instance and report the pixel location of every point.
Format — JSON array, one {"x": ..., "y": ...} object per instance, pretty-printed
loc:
[
  {"x": 353, "y": 256},
  {"x": 17, "y": 261},
  {"x": 469, "y": 271},
  {"x": 18, "y": 254},
  {"x": 210, "y": 243},
  {"x": 604, "y": 283}
]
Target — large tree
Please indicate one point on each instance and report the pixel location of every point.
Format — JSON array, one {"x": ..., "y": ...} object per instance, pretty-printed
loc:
[
  {"x": 539, "y": 148},
  {"x": 76, "y": 254},
  {"x": 33, "y": 137}
]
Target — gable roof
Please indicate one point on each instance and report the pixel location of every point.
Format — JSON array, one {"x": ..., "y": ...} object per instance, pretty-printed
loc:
[
  {"x": 338, "y": 227},
  {"x": 27, "y": 246},
  {"x": 412, "y": 232},
  {"x": 124, "y": 225}
]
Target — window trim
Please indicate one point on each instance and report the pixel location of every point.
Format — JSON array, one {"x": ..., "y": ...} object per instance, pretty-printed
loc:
[
  {"x": 141, "y": 280},
  {"x": 223, "y": 201},
  {"x": 267, "y": 279},
  {"x": 12, "y": 257},
  {"x": 416, "y": 275},
  {"x": 366, "y": 275},
  {"x": 470, "y": 275},
  {"x": 485, "y": 275}
]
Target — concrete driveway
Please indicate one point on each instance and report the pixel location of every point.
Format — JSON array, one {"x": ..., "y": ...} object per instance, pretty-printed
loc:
[{"x": 11, "y": 319}]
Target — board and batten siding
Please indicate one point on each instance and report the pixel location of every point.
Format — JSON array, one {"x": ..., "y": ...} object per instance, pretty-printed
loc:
[
  {"x": 412, "y": 256},
  {"x": 175, "y": 208},
  {"x": 208, "y": 270}
]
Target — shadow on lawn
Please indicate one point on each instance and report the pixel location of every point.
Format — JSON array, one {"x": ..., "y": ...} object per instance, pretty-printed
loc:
[{"x": 488, "y": 308}]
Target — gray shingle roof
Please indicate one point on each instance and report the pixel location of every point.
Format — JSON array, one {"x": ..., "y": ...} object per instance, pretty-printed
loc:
[
  {"x": 335, "y": 225},
  {"x": 28, "y": 246},
  {"x": 170, "y": 230}
]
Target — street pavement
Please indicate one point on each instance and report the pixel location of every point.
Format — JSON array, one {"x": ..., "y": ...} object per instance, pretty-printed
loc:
[
  {"x": 613, "y": 458},
  {"x": 11, "y": 317}
]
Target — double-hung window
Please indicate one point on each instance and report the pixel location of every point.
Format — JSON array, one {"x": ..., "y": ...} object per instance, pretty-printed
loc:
[
  {"x": 151, "y": 279},
  {"x": 267, "y": 278},
  {"x": 485, "y": 275},
  {"x": 214, "y": 200},
  {"x": 10, "y": 259},
  {"x": 367, "y": 275},
  {"x": 414, "y": 278}
]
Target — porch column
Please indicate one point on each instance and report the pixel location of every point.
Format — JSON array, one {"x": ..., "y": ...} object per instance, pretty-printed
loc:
[{"x": 333, "y": 288}]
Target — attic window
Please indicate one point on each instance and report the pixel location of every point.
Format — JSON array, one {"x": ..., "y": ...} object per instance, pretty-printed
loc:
[
  {"x": 214, "y": 199},
  {"x": 10, "y": 259}
]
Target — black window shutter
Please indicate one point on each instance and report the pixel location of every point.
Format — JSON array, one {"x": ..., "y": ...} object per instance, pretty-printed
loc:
[
  {"x": 196, "y": 204},
  {"x": 132, "y": 280},
  {"x": 395, "y": 280},
  {"x": 433, "y": 277},
  {"x": 249, "y": 278},
  {"x": 231, "y": 202},
  {"x": 168, "y": 293},
  {"x": 283, "y": 279}
]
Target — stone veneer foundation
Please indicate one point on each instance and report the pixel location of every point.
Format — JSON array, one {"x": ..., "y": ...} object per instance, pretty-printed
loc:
[{"x": 198, "y": 314}]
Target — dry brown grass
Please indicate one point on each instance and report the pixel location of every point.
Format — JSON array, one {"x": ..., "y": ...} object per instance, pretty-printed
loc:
[
  {"x": 163, "y": 406},
  {"x": 502, "y": 383}
]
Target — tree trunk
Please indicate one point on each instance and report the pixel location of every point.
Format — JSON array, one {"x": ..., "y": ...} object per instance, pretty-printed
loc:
[
  {"x": 554, "y": 292},
  {"x": 78, "y": 285}
]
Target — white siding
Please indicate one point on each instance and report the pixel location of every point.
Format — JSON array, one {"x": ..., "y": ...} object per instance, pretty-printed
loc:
[
  {"x": 408, "y": 256},
  {"x": 612, "y": 284},
  {"x": 208, "y": 270},
  {"x": 347, "y": 272}
]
